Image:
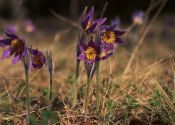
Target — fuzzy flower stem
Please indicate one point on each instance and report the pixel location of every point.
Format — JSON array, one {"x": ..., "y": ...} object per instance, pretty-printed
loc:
[
  {"x": 49, "y": 59},
  {"x": 27, "y": 95},
  {"x": 98, "y": 87},
  {"x": 25, "y": 61},
  {"x": 87, "y": 95},
  {"x": 50, "y": 90},
  {"x": 76, "y": 83}
]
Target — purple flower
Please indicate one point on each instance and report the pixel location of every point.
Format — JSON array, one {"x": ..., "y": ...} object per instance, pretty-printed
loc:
[
  {"x": 111, "y": 35},
  {"x": 89, "y": 24},
  {"x": 37, "y": 59},
  {"x": 109, "y": 38},
  {"x": 29, "y": 26},
  {"x": 13, "y": 46},
  {"x": 89, "y": 53},
  {"x": 138, "y": 17}
]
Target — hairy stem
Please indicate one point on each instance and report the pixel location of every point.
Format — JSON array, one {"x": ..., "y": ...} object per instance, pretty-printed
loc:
[
  {"x": 87, "y": 95},
  {"x": 98, "y": 87},
  {"x": 76, "y": 83},
  {"x": 50, "y": 90},
  {"x": 27, "y": 97}
]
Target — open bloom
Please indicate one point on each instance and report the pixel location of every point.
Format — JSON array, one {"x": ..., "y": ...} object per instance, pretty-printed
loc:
[
  {"x": 109, "y": 37},
  {"x": 13, "y": 46},
  {"x": 37, "y": 58},
  {"x": 138, "y": 17},
  {"x": 89, "y": 53},
  {"x": 89, "y": 24}
]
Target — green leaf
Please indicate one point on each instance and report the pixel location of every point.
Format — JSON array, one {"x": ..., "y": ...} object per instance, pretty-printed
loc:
[{"x": 32, "y": 120}]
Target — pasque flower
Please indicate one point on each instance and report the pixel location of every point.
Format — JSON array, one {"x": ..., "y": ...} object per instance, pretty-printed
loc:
[
  {"x": 109, "y": 37},
  {"x": 89, "y": 52},
  {"x": 89, "y": 24},
  {"x": 14, "y": 45},
  {"x": 38, "y": 59}
]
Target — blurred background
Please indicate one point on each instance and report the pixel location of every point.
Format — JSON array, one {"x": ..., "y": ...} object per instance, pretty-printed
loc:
[
  {"x": 73, "y": 8},
  {"x": 36, "y": 17}
]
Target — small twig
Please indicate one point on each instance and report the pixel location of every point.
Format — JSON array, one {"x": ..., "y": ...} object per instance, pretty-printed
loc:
[
  {"x": 104, "y": 9},
  {"x": 72, "y": 23}
]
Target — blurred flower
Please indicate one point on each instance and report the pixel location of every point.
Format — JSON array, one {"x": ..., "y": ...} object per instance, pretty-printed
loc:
[
  {"x": 116, "y": 21},
  {"x": 138, "y": 17},
  {"x": 11, "y": 29},
  {"x": 29, "y": 26},
  {"x": 37, "y": 58},
  {"x": 89, "y": 24},
  {"x": 89, "y": 53},
  {"x": 13, "y": 45}
]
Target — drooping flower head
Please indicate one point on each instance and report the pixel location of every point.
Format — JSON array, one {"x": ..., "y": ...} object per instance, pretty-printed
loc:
[
  {"x": 89, "y": 24},
  {"x": 89, "y": 52},
  {"x": 138, "y": 17},
  {"x": 49, "y": 61},
  {"x": 14, "y": 45},
  {"x": 37, "y": 58}
]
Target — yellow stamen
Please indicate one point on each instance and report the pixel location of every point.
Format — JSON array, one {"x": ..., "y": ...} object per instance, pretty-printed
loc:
[
  {"x": 17, "y": 45},
  {"x": 90, "y": 53},
  {"x": 108, "y": 37}
]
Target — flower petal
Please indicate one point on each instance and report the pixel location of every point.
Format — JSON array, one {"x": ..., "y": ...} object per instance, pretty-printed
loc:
[
  {"x": 92, "y": 28},
  {"x": 83, "y": 47},
  {"x": 6, "y": 53},
  {"x": 5, "y": 42},
  {"x": 119, "y": 33},
  {"x": 85, "y": 22},
  {"x": 91, "y": 13},
  {"x": 16, "y": 59},
  {"x": 11, "y": 35},
  {"x": 82, "y": 57},
  {"x": 119, "y": 41},
  {"x": 100, "y": 21}
]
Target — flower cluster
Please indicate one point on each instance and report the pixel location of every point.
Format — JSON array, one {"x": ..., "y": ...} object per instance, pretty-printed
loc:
[
  {"x": 101, "y": 39},
  {"x": 17, "y": 47}
]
